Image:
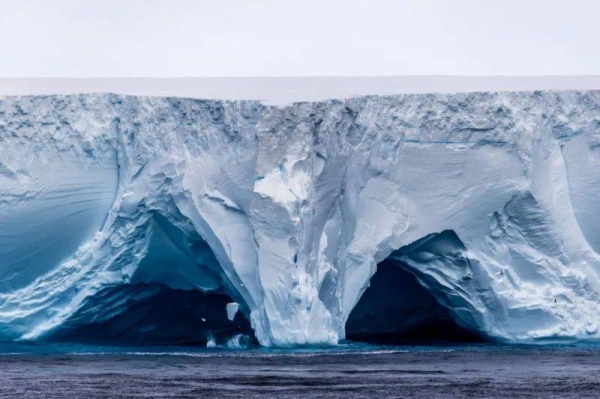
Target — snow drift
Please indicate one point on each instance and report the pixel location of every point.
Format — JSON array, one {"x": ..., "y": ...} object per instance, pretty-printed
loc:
[{"x": 488, "y": 200}]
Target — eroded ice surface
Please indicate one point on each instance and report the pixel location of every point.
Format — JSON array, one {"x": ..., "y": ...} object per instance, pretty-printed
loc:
[{"x": 489, "y": 200}]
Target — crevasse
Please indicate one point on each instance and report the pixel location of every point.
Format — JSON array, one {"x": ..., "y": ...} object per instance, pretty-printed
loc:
[{"x": 489, "y": 200}]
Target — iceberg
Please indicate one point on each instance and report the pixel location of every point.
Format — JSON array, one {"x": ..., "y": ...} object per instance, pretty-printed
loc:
[{"x": 123, "y": 212}]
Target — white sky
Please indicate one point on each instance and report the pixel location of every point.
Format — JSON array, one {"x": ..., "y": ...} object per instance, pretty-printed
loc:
[{"x": 125, "y": 38}]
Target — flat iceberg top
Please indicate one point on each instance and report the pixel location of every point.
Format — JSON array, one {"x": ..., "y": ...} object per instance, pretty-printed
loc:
[{"x": 284, "y": 90}]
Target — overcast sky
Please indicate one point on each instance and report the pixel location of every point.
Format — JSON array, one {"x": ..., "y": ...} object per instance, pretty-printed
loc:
[{"x": 110, "y": 38}]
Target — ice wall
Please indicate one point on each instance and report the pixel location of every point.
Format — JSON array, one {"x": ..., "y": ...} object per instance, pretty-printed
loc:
[{"x": 288, "y": 209}]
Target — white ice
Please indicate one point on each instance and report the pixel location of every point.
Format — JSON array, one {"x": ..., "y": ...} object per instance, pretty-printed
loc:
[{"x": 232, "y": 309}]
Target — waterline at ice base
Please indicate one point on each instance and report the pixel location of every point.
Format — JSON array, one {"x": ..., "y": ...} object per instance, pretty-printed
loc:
[{"x": 470, "y": 216}]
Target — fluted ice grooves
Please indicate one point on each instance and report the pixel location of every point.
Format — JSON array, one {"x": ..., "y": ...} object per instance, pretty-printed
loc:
[{"x": 288, "y": 209}]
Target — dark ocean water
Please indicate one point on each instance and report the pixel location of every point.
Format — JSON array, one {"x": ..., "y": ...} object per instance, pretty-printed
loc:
[{"x": 350, "y": 370}]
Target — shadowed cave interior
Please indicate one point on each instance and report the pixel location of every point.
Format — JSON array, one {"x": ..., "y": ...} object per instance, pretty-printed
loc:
[
  {"x": 153, "y": 314},
  {"x": 397, "y": 309},
  {"x": 175, "y": 297}
]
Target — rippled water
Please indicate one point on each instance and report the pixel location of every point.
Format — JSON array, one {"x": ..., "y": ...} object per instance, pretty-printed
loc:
[{"x": 349, "y": 370}]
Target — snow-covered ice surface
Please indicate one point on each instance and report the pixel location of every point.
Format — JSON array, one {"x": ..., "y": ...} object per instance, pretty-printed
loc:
[
  {"x": 287, "y": 90},
  {"x": 489, "y": 199}
]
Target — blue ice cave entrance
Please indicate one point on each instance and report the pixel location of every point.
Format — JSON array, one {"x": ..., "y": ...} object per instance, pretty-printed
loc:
[
  {"x": 177, "y": 296},
  {"x": 398, "y": 308}
]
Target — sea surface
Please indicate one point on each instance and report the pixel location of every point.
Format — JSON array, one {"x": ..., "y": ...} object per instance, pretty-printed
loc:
[{"x": 346, "y": 371}]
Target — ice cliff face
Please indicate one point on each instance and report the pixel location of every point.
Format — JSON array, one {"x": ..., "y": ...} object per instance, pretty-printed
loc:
[{"x": 489, "y": 200}]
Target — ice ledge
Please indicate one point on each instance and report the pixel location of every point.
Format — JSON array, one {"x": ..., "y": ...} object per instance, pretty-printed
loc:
[{"x": 284, "y": 90}]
